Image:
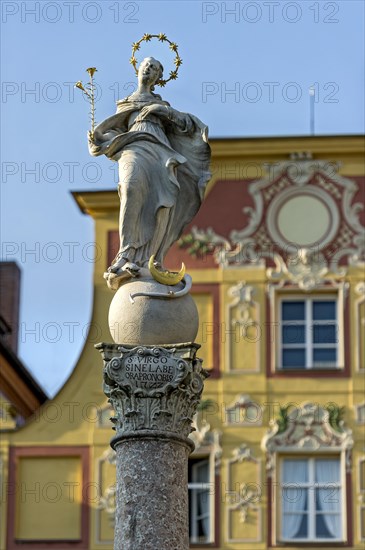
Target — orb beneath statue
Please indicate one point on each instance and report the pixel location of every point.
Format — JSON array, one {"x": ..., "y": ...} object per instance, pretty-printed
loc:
[{"x": 147, "y": 320}]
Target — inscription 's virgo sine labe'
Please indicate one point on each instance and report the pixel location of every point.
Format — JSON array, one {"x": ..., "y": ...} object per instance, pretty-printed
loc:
[{"x": 147, "y": 369}]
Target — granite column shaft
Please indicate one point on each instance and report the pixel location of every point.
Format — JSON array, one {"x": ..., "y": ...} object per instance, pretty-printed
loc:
[{"x": 155, "y": 391}]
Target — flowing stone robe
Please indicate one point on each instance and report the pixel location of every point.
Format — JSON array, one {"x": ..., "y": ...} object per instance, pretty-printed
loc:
[{"x": 163, "y": 172}]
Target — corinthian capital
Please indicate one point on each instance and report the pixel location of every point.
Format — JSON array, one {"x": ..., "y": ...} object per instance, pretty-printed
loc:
[{"x": 154, "y": 389}]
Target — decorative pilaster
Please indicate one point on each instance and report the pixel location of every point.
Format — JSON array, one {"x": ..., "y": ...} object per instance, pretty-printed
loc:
[{"x": 155, "y": 391}]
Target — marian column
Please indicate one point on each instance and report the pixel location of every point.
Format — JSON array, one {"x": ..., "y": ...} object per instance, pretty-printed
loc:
[{"x": 152, "y": 376}]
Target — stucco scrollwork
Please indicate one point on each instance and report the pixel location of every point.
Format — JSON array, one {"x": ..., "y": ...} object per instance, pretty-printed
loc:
[
  {"x": 244, "y": 495},
  {"x": 310, "y": 428},
  {"x": 298, "y": 184},
  {"x": 307, "y": 268},
  {"x": 107, "y": 500},
  {"x": 205, "y": 439},
  {"x": 244, "y": 411},
  {"x": 242, "y": 321},
  {"x": 242, "y": 453},
  {"x": 242, "y": 295}
]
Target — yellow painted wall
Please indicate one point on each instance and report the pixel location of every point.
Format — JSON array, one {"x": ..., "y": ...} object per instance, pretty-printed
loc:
[{"x": 48, "y": 499}]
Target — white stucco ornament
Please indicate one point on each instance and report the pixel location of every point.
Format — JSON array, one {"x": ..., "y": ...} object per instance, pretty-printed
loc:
[{"x": 302, "y": 204}]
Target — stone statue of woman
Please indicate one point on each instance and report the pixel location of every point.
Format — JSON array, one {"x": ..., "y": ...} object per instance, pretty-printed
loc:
[{"x": 163, "y": 157}]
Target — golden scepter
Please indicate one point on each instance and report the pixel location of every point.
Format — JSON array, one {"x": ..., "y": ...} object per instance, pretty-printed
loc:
[{"x": 89, "y": 91}]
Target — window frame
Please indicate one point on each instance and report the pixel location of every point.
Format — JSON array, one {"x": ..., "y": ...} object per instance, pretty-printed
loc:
[
  {"x": 309, "y": 323},
  {"x": 279, "y": 295},
  {"x": 312, "y": 510},
  {"x": 211, "y": 486}
]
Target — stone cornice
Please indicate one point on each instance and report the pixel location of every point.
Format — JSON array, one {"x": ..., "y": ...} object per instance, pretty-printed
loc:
[
  {"x": 103, "y": 203},
  {"x": 268, "y": 147}
]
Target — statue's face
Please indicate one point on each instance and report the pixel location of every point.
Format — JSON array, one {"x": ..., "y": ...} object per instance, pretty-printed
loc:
[{"x": 149, "y": 71}]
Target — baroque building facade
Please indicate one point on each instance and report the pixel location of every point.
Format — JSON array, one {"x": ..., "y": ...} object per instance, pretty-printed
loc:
[{"x": 277, "y": 258}]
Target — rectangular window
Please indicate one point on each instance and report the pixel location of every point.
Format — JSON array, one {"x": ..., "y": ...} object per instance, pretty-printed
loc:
[
  {"x": 200, "y": 501},
  {"x": 311, "y": 500},
  {"x": 308, "y": 332}
]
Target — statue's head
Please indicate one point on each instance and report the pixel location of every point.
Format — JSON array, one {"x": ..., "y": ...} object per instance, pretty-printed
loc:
[{"x": 150, "y": 71}]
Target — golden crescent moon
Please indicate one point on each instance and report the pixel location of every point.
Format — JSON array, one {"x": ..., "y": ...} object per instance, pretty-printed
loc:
[{"x": 165, "y": 277}]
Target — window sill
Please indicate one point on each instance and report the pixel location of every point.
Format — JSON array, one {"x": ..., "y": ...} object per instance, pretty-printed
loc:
[
  {"x": 311, "y": 544},
  {"x": 197, "y": 545},
  {"x": 335, "y": 372}
]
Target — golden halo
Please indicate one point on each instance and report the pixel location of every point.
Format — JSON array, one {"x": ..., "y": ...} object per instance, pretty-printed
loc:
[{"x": 173, "y": 47}]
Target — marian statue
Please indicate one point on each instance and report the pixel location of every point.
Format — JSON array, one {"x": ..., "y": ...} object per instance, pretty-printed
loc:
[{"x": 163, "y": 158}]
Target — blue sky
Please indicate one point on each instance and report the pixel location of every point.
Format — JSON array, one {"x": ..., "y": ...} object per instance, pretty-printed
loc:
[{"x": 247, "y": 68}]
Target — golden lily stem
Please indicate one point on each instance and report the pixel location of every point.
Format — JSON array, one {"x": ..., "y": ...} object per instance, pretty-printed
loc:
[{"x": 92, "y": 103}]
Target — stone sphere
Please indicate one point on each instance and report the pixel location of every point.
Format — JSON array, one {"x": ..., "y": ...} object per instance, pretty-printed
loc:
[{"x": 145, "y": 320}]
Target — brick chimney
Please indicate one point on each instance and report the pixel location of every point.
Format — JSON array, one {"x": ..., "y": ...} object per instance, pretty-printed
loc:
[{"x": 9, "y": 303}]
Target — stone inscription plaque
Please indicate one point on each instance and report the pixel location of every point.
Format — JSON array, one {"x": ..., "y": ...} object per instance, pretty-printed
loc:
[
  {"x": 149, "y": 372},
  {"x": 147, "y": 369}
]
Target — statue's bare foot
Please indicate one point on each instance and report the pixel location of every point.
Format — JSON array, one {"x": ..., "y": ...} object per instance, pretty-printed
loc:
[
  {"x": 131, "y": 268},
  {"x": 115, "y": 280},
  {"x": 118, "y": 265},
  {"x": 124, "y": 268},
  {"x": 122, "y": 263}
]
